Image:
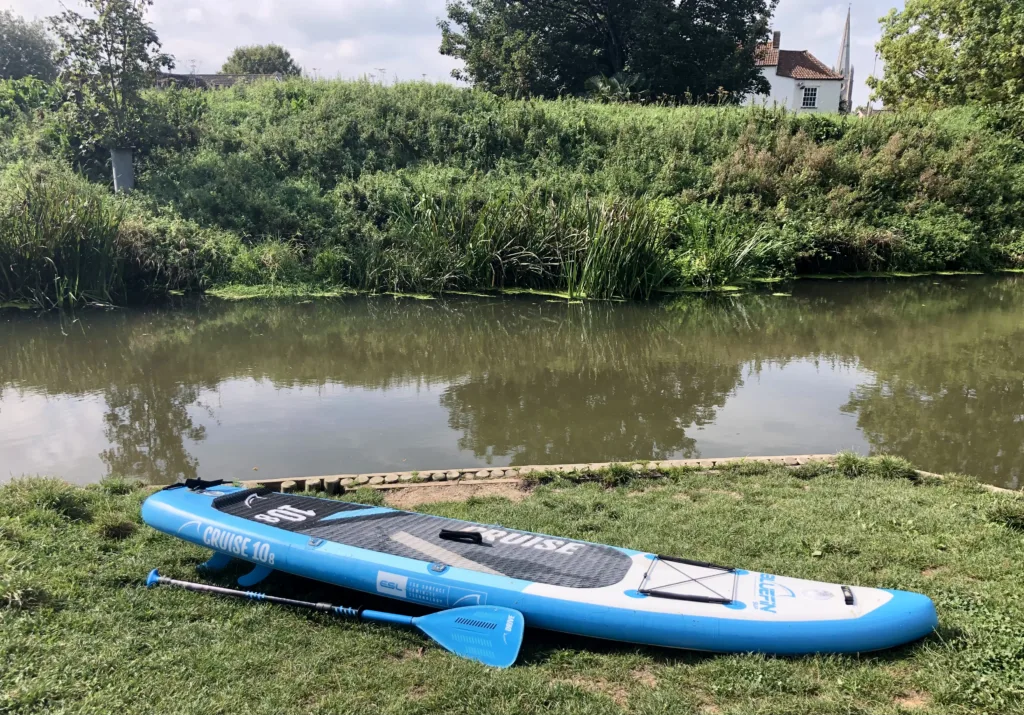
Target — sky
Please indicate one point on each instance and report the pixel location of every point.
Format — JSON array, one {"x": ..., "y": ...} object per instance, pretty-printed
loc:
[{"x": 399, "y": 38}]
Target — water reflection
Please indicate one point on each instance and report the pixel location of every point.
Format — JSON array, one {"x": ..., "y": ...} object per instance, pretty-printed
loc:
[{"x": 933, "y": 370}]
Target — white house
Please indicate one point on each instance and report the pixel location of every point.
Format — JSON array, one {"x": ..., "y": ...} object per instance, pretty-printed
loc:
[{"x": 801, "y": 82}]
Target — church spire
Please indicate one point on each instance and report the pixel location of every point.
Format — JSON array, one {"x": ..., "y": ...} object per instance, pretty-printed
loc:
[{"x": 844, "y": 67}]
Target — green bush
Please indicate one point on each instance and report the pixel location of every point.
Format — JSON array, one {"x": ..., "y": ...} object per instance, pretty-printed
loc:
[
  {"x": 425, "y": 187},
  {"x": 161, "y": 252},
  {"x": 267, "y": 263}
]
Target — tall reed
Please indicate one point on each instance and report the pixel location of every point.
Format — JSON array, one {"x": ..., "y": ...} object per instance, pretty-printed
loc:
[
  {"x": 626, "y": 253},
  {"x": 58, "y": 240},
  {"x": 598, "y": 248},
  {"x": 715, "y": 251}
]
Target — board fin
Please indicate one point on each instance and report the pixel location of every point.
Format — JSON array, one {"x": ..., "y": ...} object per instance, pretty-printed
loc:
[
  {"x": 218, "y": 562},
  {"x": 255, "y": 576}
]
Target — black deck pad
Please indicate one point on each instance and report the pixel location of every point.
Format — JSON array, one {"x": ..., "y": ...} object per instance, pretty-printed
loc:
[
  {"x": 517, "y": 554},
  {"x": 255, "y": 505}
]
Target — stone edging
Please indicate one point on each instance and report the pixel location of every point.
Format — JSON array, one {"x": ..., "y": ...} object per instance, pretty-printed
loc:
[{"x": 336, "y": 483}]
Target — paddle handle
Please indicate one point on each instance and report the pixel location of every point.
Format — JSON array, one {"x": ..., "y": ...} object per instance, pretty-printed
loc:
[{"x": 155, "y": 579}]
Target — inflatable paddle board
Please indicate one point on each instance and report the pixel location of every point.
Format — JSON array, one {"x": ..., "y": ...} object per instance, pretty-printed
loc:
[{"x": 558, "y": 584}]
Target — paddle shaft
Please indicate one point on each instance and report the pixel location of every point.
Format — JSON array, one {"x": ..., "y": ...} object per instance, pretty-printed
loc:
[
  {"x": 490, "y": 635},
  {"x": 380, "y": 616}
]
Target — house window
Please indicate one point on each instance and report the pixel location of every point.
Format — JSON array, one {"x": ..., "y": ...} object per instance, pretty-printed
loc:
[{"x": 810, "y": 98}]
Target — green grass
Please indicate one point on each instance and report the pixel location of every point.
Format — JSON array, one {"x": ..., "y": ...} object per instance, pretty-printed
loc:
[
  {"x": 236, "y": 291},
  {"x": 538, "y": 292},
  {"x": 888, "y": 274},
  {"x": 80, "y": 634}
]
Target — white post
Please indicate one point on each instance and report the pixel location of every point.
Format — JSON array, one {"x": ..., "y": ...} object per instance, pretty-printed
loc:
[{"x": 124, "y": 173}]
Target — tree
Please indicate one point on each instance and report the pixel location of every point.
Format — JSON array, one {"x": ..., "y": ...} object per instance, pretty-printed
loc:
[
  {"x": 617, "y": 88},
  {"x": 679, "y": 49},
  {"x": 107, "y": 61},
  {"x": 261, "y": 59},
  {"x": 951, "y": 52},
  {"x": 25, "y": 49}
]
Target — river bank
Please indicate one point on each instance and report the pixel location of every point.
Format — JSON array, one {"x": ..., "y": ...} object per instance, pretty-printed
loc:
[
  {"x": 80, "y": 633},
  {"x": 420, "y": 188},
  {"x": 305, "y": 291}
]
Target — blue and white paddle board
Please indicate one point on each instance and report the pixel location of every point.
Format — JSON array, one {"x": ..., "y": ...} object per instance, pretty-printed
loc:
[{"x": 558, "y": 584}]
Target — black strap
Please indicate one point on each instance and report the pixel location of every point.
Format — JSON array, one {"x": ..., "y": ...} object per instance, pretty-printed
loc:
[
  {"x": 473, "y": 537},
  {"x": 684, "y": 596},
  {"x": 691, "y": 562},
  {"x": 200, "y": 485},
  {"x": 848, "y": 595},
  {"x": 235, "y": 497},
  {"x": 195, "y": 484}
]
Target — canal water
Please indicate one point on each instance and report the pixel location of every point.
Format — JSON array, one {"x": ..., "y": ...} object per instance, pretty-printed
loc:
[{"x": 929, "y": 369}]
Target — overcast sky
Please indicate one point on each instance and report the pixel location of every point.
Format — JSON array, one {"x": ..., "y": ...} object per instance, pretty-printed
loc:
[{"x": 351, "y": 38}]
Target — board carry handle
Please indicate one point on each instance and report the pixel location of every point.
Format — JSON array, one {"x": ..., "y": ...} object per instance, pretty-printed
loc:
[
  {"x": 490, "y": 635},
  {"x": 473, "y": 537}
]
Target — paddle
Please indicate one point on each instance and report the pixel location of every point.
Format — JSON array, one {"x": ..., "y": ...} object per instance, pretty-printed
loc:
[{"x": 488, "y": 634}]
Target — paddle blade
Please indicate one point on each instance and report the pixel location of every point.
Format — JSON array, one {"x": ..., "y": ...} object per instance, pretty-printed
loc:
[{"x": 488, "y": 634}]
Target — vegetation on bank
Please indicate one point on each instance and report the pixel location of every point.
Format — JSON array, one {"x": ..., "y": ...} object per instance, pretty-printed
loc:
[
  {"x": 422, "y": 188},
  {"x": 80, "y": 633}
]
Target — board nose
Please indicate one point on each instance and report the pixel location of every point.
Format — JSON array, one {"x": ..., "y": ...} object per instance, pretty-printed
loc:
[{"x": 914, "y": 612}]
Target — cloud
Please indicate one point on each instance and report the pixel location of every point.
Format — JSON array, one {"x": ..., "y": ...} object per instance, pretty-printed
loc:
[
  {"x": 352, "y": 38},
  {"x": 346, "y": 38}
]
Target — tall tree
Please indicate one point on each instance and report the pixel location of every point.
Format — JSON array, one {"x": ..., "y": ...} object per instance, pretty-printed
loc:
[
  {"x": 677, "y": 48},
  {"x": 948, "y": 52},
  {"x": 107, "y": 59},
  {"x": 261, "y": 59},
  {"x": 25, "y": 49}
]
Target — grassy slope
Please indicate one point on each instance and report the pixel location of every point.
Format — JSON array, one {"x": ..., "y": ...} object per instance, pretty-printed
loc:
[
  {"x": 90, "y": 638},
  {"x": 430, "y": 188}
]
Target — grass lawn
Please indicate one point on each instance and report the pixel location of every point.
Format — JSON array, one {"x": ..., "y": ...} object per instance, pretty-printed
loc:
[{"x": 79, "y": 633}]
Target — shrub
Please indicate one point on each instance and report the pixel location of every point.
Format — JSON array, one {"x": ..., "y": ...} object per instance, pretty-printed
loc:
[
  {"x": 268, "y": 262},
  {"x": 161, "y": 252}
]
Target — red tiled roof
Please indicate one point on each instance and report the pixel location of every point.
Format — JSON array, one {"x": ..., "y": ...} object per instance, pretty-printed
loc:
[
  {"x": 766, "y": 55},
  {"x": 798, "y": 64}
]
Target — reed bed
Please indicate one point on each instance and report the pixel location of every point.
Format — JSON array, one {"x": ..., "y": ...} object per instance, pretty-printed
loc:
[{"x": 58, "y": 241}]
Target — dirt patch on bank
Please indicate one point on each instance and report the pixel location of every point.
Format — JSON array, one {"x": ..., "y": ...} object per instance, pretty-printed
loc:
[
  {"x": 411, "y": 497},
  {"x": 599, "y": 686},
  {"x": 914, "y": 701}
]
